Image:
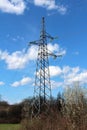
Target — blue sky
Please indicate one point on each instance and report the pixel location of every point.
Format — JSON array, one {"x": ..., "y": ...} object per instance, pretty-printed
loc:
[{"x": 20, "y": 22}]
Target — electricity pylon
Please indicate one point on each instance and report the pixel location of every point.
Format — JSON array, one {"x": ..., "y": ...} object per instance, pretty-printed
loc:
[{"x": 42, "y": 88}]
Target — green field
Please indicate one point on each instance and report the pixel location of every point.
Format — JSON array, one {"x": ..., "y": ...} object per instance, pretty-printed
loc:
[{"x": 9, "y": 126}]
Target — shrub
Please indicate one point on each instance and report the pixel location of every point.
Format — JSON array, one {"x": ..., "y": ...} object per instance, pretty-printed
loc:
[{"x": 76, "y": 107}]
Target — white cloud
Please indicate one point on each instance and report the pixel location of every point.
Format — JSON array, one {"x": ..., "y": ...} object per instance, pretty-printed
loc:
[
  {"x": 55, "y": 70},
  {"x": 18, "y": 6},
  {"x": 70, "y": 71},
  {"x": 1, "y": 83},
  {"x": 61, "y": 9},
  {"x": 56, "y": 49},
  {"x": 68, "y": 76},
  {"x": 32, "y": 53},
  {"x": 14, "y": 61},
  {"x": 22, "y": 82},
  {"x": 19, "y": 59},
  {"x": 74, "y": 74},
  {"x": 12, "y": 6},
  {"x": 81, "y": 78},
  {"x": 50, "y": 5}
]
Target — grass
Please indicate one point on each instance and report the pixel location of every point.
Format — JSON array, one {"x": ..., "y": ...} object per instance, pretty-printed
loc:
[{"x": 9, "y": 126}]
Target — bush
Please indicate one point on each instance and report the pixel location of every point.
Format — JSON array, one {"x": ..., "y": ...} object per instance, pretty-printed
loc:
[{"x": 76, "y": 107}]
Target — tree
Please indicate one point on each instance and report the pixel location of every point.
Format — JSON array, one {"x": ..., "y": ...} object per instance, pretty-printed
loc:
[
  {"x": 60, "y": 102},
  {"x": 14, "y": 114},
  {"x": 76, "y": 106}
]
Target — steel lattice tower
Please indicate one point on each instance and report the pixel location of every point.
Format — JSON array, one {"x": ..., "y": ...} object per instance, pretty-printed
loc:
[{"x": 42, "y": 88}]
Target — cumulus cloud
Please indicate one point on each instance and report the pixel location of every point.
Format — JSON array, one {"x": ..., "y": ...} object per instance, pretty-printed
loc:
[
  {"x": 73, "y": 77},
  {"x": 56, "y": 49},
  {"x": 55, "y": 70},
  {"x": 51, "y": 5},
  {"x": 12, "y": 6},
  {"x": 22, "y": 82},
  {"x": 1, "y": 83},
  {"x": 19, "y": 6},
  {"x": 19, "y": 59},
  {"x": 68, "y": 76}
]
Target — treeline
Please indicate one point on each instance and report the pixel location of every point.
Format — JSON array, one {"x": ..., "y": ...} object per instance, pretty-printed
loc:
[
  {"x": 68, "y": 111},
  {"x": 10, "y": 113},
  {"x": 17, "y": 112}
]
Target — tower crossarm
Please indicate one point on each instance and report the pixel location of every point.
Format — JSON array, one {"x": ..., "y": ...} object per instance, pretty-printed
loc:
[
  {"x": 37, "y": 42},
  {"x": 54, "y": 55},
  {"x": 50, "y": 53},
  {"x": 50, "y": 37}
]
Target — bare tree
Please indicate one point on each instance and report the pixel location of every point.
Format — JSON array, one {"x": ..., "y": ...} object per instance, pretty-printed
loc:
[{"x": 76, "y": 106}]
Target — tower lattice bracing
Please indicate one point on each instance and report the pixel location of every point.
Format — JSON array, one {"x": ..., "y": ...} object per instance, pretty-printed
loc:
[{"x": 42, "y": 88}]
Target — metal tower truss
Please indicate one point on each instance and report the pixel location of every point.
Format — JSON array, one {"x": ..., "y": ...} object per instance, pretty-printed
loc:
[{"x": 42, "y": 88}]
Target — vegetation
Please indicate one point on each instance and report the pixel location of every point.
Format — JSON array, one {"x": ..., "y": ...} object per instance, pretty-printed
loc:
[
  {"x": 9, "y": 127},
  {"x": 10, "y": 113},
  {"x": 67, "y": 112},
  {"x": 75, "y": 109}
]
